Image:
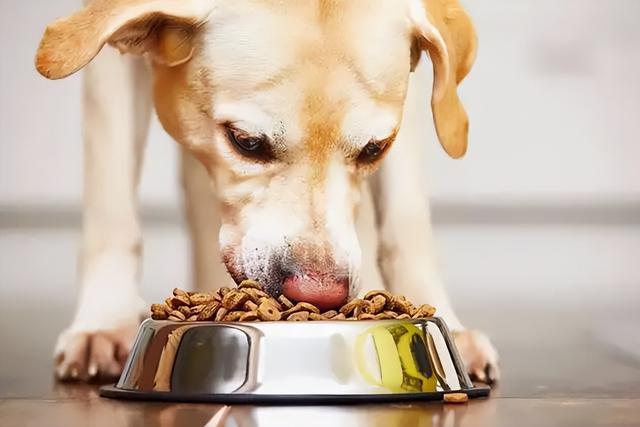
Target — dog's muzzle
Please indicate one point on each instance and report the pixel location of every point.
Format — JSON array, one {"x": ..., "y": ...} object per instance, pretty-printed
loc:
[{"x": 301, "y": 272}]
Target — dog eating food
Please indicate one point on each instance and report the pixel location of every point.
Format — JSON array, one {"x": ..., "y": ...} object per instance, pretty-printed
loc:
[{"x": 250, "y": 303}]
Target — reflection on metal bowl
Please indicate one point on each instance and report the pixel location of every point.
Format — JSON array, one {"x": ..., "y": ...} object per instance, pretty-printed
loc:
[{"x": 293, "y": 362}]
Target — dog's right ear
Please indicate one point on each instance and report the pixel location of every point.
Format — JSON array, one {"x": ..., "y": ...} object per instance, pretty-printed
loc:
[{"x": 163, "y": 29}]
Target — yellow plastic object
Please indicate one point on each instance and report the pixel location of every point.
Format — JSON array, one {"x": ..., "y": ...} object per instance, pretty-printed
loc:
[{"x": 402, "y": 358}]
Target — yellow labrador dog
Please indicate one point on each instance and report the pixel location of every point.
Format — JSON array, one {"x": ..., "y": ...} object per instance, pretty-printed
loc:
[{"x": 290, "y": 106}]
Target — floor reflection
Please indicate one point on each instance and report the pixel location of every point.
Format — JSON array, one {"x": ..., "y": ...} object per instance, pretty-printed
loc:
[
  {"x": 84, "y": 401},
  {"x": 424, "y": 415}
]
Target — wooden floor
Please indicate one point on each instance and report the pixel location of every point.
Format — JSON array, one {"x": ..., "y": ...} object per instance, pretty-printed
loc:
[{"x": 562, "y": 367}]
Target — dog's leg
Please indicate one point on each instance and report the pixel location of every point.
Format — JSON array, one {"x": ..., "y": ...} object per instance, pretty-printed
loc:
[
  {"x": 407, "y": 255},
  {"x": 203, "y": 217},
  {"x": 117, "y": 106}
]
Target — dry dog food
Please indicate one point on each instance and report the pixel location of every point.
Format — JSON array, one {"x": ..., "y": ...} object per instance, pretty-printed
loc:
[
  {"x": 250, "y": 303},
  {"x": 456, "y": 398}
]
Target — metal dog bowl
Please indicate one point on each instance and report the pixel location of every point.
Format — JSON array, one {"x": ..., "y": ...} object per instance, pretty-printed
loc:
[{"x": 293, "y": 362}]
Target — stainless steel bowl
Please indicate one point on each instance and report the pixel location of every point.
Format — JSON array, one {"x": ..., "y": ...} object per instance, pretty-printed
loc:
[{"x": 293, "y": 362}]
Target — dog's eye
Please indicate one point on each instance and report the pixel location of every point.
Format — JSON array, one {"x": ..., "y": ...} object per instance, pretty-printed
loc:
[
  {"x": 249, "y": 145},
  {"x": 370, "y": 152}
]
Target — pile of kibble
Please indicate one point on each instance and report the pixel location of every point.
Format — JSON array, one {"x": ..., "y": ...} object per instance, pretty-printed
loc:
[{"x": 250, "y": 303}]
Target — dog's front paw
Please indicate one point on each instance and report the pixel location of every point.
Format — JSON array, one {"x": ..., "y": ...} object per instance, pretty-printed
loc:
[
  {"x": 93, "y": 355},
  {"x": 479, "y": 355}
]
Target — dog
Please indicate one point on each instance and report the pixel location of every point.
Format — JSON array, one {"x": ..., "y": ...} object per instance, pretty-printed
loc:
[{"x": 297, "y": 171}]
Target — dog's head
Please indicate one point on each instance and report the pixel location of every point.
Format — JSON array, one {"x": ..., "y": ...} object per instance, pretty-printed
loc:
[{"x": 289, "y": 105}]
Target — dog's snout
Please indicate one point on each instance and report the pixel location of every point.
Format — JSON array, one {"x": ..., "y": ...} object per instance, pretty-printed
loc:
[
  {"x": 313, "y": 272},
  {"x": 323, "y": 291}
]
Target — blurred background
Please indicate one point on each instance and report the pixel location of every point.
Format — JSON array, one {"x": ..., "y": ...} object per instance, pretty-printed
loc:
[{"x": 541, "y": 216}]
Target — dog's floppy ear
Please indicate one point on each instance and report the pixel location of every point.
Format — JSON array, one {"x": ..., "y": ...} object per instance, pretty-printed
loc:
[
  {"x": 445, "y": 30},
  {"x": 161, "y": 28}
]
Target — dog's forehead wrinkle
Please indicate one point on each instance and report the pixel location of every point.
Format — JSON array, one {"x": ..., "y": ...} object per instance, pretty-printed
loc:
[
  {"x": 274, "y": 79},
  {"x": 257, "y": 44}
]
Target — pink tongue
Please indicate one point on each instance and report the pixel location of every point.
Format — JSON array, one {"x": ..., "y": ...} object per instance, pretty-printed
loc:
[{"x": 325, "y": 294}]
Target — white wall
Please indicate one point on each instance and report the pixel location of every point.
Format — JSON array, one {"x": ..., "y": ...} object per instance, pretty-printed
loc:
[
  {"x": 553, "y": 100},
  {"x": 40, "y": 120}
]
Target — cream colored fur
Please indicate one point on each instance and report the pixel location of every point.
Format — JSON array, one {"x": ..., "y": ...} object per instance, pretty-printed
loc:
[{"x": 375, "y": 226}]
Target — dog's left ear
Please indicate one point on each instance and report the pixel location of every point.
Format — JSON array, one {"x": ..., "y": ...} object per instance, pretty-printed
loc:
[
  {"x": 162, "y": 29},
  {"x": 443, "y": 28}
]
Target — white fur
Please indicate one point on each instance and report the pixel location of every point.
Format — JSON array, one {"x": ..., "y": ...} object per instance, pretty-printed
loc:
[
  {"x": 249, "y": 116},
  {"x": 109, "y": 303},
  {"x": 340, "y": 221},
  {"x": 380, "y": 124}
]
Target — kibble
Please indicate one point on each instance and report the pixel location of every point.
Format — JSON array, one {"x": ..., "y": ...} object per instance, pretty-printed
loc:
[
  {"x": 249, "y": 316},
  {"x": 233, "y": 316},
  {"x": 298, "y": 316},
  {"x": 209, "y": 311},
  {"x": 234, "y": 299},
  {"x": 186, "y": 310},
  {"x": 178, "y": 314},
  {"x": 285, "y": 301},
  {"x": 267, "y": 311},
  {"x": 220, "y": 314},
  {"x": 199, "y": 298},
  {"x": 250, "y": 303},
  {"x": 180, "y": 300},
  {"x": 456, "y": 398}
]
